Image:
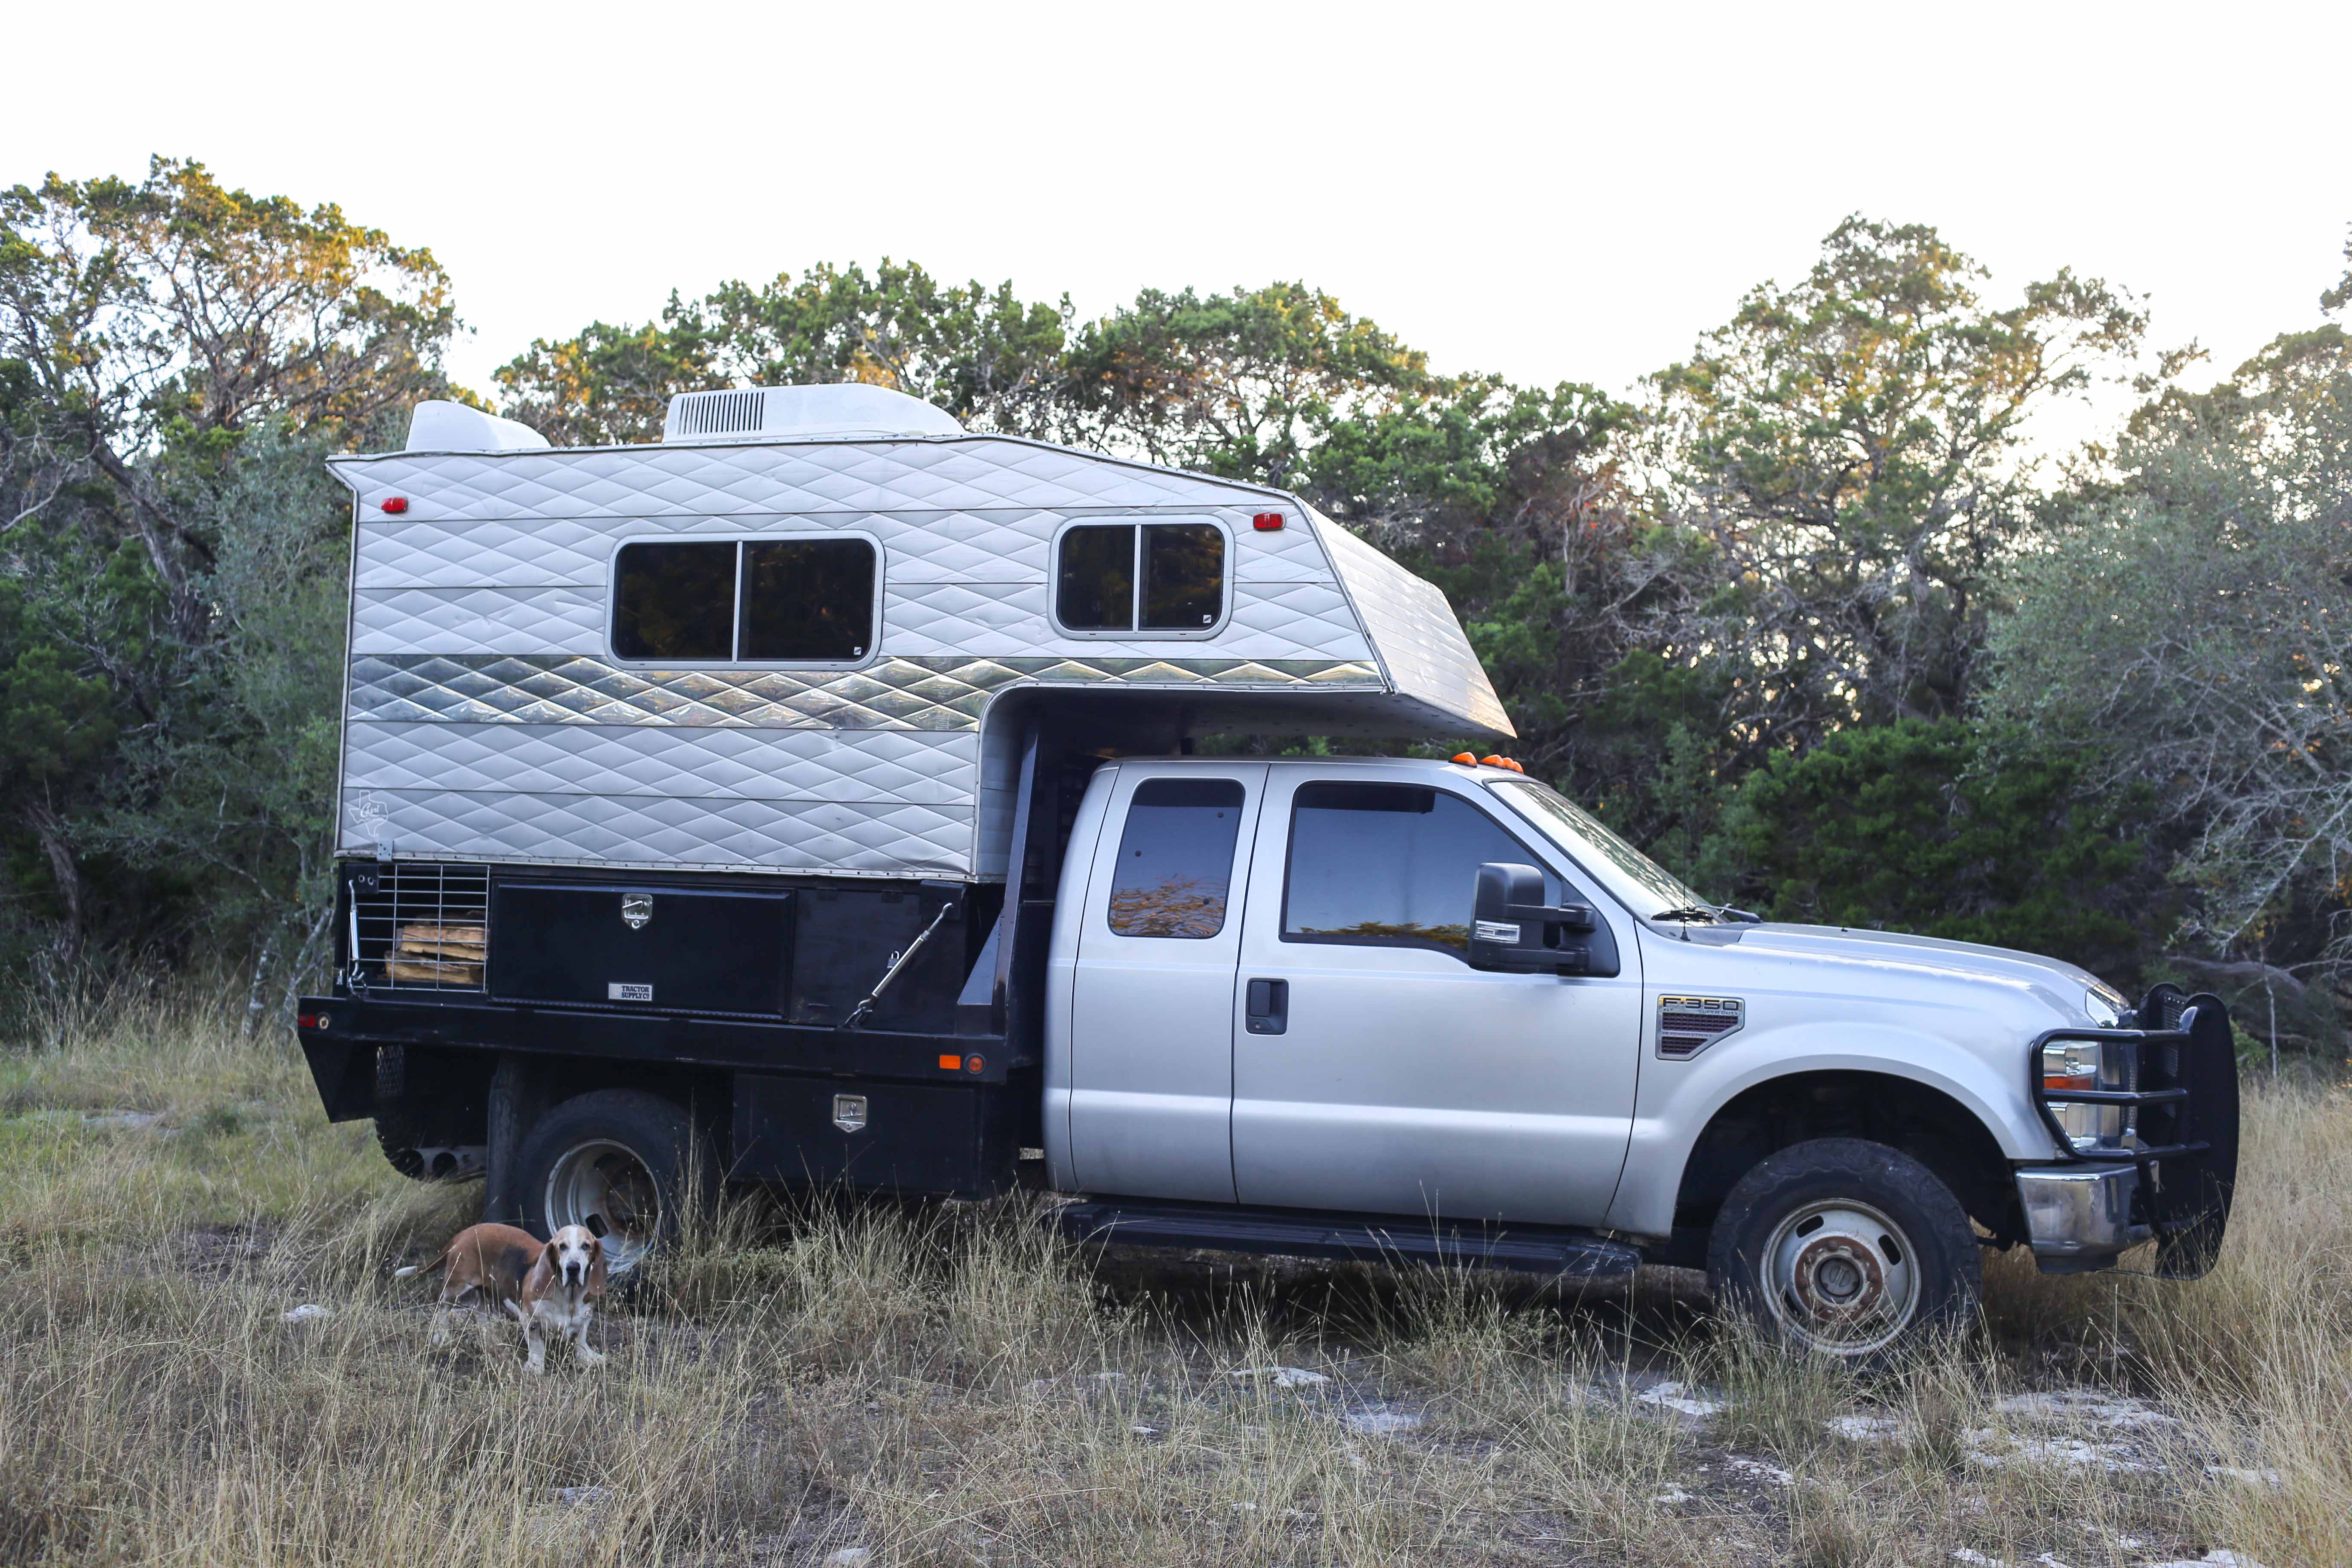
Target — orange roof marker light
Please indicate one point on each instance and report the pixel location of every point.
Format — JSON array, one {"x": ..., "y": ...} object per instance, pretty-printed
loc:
[
  {"x": 1495, "y": 762},
  {"x": 1465, "y": 759}
]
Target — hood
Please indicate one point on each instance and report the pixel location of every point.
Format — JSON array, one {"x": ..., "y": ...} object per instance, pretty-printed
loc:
[{"x": 1876, "y": 960}]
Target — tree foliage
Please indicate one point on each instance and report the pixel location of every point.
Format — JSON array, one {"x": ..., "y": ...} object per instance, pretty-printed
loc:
[
  {"x": 1853, "y": 450},
  {"x": 154, "y": 323},
  {"x": 2188, "y": 627},
  {"x": 1921, "y": 827}
]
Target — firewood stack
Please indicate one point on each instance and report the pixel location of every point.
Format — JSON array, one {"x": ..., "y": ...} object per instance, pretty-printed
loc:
[{"x": 439, "y": 955}]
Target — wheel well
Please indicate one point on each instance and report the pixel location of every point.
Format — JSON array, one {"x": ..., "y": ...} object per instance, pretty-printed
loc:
[
  {"x": 447, "y": 1089},
  {"x": 1925, "y": 1123}
]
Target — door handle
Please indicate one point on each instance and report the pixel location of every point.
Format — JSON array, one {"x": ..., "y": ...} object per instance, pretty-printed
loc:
[{"x": 1269, "y": 1007}]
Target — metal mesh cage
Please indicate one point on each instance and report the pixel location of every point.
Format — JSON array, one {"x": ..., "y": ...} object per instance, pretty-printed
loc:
[{"x": 424, "y": 927}]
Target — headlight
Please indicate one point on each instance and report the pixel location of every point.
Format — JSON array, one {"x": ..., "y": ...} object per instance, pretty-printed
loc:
[
  {"x": 2079, "y": 1065},
  {"x": 2071, "y": 1064}
]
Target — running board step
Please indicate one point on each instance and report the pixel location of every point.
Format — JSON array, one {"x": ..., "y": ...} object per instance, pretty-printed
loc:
[{"x": 1365, "y": 1238}]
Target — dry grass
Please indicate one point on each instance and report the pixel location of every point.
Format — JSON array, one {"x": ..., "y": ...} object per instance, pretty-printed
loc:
[{"x": 948, "y": 1385}]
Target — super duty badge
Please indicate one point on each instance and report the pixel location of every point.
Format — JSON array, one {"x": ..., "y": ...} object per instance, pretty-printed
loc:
[{"x": 1688, "y": 1025}]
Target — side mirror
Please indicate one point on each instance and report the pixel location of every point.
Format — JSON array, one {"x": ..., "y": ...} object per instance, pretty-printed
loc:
[{"x": 1512, "y": 930}]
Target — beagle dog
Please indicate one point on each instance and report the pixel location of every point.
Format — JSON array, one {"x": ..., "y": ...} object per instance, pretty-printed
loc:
[{"x": 551, "y": 1285}]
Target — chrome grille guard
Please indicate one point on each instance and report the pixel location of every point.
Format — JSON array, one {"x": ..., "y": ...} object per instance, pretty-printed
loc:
[{"x": 2181, "y": 1068}]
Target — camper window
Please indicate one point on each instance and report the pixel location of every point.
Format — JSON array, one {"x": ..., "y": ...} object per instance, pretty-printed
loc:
[
  {"x": 674, "y": 601},
  {"x": 1153, "y": 577},
  {"x": 756, "y": 601}
]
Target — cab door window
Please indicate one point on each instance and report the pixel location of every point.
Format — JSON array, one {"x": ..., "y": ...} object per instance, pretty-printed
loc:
[{"x": 1388, "y": 865}]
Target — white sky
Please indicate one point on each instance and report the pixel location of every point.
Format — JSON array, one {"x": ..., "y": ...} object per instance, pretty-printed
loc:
[{"x": 1557, "y": 192}]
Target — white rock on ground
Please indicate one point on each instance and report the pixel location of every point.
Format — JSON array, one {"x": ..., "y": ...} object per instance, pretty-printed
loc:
[
  {"x": 1868, "y": 1428},
  {"x": 2087, "y": 1406},
  {"x": 851, "y": 1556},
  {"x": 1381, "y": 1423},
  {"x": 135, "y": 1120},
  {"x": 308, "y": 1312},
  {"x": 2239, "y": 1473},
  {"x": 1283, "y": 1376},
  {"x": 1762, "y": 1471},
  {"x": 1677, "y": 1396},
  {"x": 1983, "y": 1440}
]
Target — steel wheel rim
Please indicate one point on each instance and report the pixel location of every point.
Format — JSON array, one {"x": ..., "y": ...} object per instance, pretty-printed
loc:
[
  {"x": 608, "y": 1188},
  {"x": 1841, "y": 1277}
]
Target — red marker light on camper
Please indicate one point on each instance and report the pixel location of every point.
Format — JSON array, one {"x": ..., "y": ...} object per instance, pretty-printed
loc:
[
  {"x": 396, "y": 505},
  {"x": 1267, "y": 521},
  {"x": 974, "y": 1064}
]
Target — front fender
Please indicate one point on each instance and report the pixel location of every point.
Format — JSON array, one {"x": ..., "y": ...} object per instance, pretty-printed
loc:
[{"x": 1676, "y": 1101}]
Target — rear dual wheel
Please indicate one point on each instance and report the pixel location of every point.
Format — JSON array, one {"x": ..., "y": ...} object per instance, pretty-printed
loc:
[
  {"x": 626, "y": 1164},
  {"x": 1845, "y": 1247}
]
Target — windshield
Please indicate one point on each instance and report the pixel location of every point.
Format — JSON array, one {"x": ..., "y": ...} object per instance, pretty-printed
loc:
[{"x": 1645, "y": 887}]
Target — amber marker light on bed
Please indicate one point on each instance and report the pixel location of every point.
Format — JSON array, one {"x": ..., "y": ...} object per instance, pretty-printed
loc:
[{"x": 952, "y": 1064}]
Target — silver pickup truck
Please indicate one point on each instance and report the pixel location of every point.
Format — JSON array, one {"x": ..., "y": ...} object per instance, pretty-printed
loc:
[
  {"x": 1423, "y": 988},
  {"x": 810, "y": 798}
]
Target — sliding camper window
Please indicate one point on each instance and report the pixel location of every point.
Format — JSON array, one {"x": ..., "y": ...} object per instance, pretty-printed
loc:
[
  {"x": 745, "y": 601},
  {"x": 1167, "y": 577}
]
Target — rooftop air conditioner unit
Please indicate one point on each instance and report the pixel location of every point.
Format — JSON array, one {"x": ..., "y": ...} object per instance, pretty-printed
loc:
[{"x": 845, "y": 411}]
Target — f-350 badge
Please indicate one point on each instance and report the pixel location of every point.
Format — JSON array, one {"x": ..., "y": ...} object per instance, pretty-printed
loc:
[{"x": 637, "y": 910}]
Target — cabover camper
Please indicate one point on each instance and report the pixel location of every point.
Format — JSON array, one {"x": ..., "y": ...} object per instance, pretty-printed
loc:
[{"x": 816, "y": 797}]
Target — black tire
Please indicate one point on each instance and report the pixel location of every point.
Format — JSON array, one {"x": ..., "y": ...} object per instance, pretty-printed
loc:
[
  {"x": 1845, "y": 1247},
  {"x": 395, "y": 1128},
  {"x": 607, "y": 1158}
]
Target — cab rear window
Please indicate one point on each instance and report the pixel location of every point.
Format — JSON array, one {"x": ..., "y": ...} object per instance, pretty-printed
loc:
[{"x": 1176, "y": 859}]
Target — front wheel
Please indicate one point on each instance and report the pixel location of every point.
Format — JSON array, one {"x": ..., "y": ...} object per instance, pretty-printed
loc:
[
  {"x": 626, "y": 1164},
  {"x": 1846, "y": 1247}
]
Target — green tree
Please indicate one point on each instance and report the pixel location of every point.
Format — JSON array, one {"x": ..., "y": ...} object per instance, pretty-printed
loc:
[
  {"x": 233, "y": 782},
  {"x": 981, "y": 353},
  {"x": 2188, "y": 626},
  {"x": 155, "y": 321},
  {"x": 166, "y": 668},
  {"x": 1243, "y": 383},
  {"x": 610, "y": 384},
  {"x": 1851, "y": 449},
  {"x": 1919, "y": 827}
]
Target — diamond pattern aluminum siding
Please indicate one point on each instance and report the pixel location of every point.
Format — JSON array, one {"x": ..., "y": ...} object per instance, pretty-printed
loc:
[
  {"x": 1421, "y": 644},
  {"x": 486, "y": 720}
]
